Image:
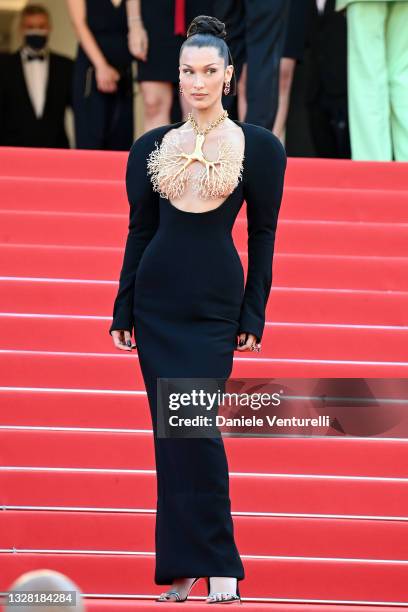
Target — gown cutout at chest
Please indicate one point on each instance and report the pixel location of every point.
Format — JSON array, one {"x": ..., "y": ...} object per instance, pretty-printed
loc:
[
  {"x": 182, "y": 292},
  {"x": 170, "y": 168}
]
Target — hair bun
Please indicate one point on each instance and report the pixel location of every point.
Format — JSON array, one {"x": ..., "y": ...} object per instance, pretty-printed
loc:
[{"x": 206, "y": 24}]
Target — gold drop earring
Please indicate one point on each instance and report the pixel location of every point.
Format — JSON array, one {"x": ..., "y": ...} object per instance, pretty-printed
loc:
[{"x": 227, "y": 88}]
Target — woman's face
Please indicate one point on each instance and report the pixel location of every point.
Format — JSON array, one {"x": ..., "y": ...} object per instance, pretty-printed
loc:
[{"x": 202, "y": 71}]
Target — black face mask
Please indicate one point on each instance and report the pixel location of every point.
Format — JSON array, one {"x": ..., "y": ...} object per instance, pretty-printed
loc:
[{"x": 36, "y": 41}]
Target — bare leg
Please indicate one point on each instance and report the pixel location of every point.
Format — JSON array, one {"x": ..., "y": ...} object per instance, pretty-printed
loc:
[
  {"x": 286, "y": 72},
  {"x": 241, "y": 92},
  {"x": 157, "y": 100}
]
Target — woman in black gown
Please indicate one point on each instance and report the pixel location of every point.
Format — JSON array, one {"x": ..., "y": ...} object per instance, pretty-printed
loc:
[
  {"x": 103, "y": 81},
  {"x": 182, "y": 290}
]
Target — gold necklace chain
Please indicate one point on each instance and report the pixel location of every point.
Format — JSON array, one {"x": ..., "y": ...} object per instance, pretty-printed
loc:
[
  {"x": 169, "y": 164},
  {"x": 212, "y": 125}
]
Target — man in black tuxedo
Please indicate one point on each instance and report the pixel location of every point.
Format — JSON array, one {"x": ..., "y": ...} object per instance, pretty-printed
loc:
[
  {"x": 35, "y": 88},
  {"x": 326, "y": 80}
]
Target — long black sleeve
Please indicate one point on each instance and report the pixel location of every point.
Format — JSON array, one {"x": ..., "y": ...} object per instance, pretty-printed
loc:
[
  {"x": 143, "y": 223},
  {"x": 263, "y": 188}
]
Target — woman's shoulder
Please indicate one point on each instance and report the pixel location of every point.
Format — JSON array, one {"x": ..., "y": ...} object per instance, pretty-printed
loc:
[
  {"x": 258, "y": 136},
  {"x": 146, "y": 141},
  {"x": 141, "y": 150},
  {"x": 260, "y": 143},
  {"x": 151, "y": 135},
  {"x": 265, "y": 155}
]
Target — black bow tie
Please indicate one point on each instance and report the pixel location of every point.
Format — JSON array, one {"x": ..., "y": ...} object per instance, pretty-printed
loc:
[{"x": 35, "y": 56}]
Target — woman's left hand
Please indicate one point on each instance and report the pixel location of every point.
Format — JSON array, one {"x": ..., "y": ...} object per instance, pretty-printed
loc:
[
  {"x": 106, "y": 78},
  {"x": 249, "y": 342},
  {"x": 138, "y": 41}
]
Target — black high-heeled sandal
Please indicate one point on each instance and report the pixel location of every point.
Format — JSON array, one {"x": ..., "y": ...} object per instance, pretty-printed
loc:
[
  {"x": 213, "y": 598},
  {"x": 173, "y": 592}
]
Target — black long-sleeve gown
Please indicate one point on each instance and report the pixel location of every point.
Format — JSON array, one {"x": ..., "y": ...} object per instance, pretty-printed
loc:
[{"x": 182, "y": 290}]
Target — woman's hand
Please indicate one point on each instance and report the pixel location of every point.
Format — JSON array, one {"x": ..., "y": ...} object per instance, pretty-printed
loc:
[
  {"x": 246, "y": 341},
  {"x": 122, "y": 339},
  {"x": 106, "y": 78},
  {"x": 138, "y": 41}
]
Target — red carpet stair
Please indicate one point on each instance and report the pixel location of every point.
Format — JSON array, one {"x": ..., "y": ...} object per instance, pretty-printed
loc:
[{"x": 321, "y": 523}]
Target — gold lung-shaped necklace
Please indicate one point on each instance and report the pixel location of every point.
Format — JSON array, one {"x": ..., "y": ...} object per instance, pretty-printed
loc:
[{"x": 169, "y": 166}]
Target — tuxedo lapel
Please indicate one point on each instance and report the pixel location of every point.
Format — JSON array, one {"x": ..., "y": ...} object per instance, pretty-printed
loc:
[
  {"x": 52, "y": 85},
  {"x": 22, "y": 85}
]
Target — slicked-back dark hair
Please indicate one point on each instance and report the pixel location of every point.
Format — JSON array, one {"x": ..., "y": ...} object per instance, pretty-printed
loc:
[{"x": 208, "y": 31}]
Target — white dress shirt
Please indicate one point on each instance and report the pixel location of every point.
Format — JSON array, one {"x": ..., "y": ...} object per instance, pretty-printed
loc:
[
  {"x": 320, "y": 5},
  {"x": 36, "y": 78}
]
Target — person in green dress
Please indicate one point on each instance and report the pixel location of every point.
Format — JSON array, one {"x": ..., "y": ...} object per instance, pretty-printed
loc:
[{"x": 377, "y": 65}]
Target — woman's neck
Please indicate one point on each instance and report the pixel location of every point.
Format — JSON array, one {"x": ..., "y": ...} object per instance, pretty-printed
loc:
[{"x": 205, "y": 116}]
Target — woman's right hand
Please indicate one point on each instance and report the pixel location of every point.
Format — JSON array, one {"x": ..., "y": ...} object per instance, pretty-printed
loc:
[
  {"x": 122, "y": 339},
  {"x": 106, "y": 78},
  {"x": 138, "y": 41}
]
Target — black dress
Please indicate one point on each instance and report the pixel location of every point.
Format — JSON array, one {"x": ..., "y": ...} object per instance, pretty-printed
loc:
[
  {"x": 296, "y": 27},
  {"x": 104, "y": 120},
  {"x": 182, "y": 290},
  {"x": 164, "y": 45}
]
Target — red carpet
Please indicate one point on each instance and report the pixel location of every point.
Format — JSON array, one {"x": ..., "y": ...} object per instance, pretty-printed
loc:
[{"x": 321, "y": 524}]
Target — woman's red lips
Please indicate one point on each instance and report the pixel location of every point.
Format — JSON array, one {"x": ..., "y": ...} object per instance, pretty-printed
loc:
[{"x": 196, "y": 95}]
